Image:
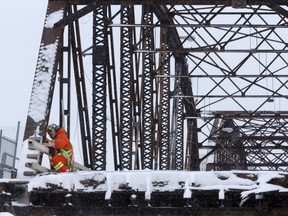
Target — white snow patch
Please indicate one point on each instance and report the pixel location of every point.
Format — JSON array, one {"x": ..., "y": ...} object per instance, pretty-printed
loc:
[
  {"x": 42, "y": 82},
  {"x": 228, "y": 130},
  {"x": 53, "y": 18},
  {"x": 5, "y": 214}
]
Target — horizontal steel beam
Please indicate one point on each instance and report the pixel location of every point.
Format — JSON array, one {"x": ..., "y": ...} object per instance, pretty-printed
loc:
[
  {"x": 247, "y": 147},
  {"x": 249, "y": 113},
  {"x": 208, "y": 25},
  {"x": 187, "y": 50},
  {"x": 274, "y": 75},
  {"x": 172, "y": 2},
  {"x": 230, "y": 96}
]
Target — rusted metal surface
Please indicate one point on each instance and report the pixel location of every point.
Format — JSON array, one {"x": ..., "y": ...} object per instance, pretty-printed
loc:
[{"x": 45, "y": 75}]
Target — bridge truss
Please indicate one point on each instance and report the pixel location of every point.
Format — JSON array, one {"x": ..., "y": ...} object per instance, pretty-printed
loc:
[{"x": 174, "y": 85}]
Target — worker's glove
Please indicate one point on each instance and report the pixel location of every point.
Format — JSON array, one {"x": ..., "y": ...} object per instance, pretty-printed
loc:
[
  {"x": 50, "y": 143},
  {"x": 52, "y": 151}
]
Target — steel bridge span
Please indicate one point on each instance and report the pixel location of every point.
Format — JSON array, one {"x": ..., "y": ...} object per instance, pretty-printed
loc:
[
  {"x": 161, "y": 89},
  {"x": 173, "y": 85}
]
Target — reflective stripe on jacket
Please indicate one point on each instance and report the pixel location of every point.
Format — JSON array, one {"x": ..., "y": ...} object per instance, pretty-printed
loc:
[{"x": 68, "y": 155}]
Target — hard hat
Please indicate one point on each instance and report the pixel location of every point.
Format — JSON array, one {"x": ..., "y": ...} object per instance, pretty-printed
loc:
[{"x": 52, "y": 129}]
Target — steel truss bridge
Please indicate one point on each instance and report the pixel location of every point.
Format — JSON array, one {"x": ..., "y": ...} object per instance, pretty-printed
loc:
[{"x": 172, "y": 85}]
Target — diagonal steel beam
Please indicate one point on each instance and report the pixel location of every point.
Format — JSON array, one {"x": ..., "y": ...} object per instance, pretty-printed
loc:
[{"x": 46, "y": 70}]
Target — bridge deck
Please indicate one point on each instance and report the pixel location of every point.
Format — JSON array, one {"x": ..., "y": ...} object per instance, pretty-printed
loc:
[{"x": 151, "y": 192}]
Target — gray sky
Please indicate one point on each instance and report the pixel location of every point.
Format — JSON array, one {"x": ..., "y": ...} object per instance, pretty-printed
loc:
[{"x": 21, "y": 29}]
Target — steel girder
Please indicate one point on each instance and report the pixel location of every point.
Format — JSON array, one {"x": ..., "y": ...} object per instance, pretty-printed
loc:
[
  {"x": 81, "y": 94},
  {"x": 100, "y": 70},
  {"x": 65, "y": 83},
  {"x": 127, "y": 87},
  {"x": 234, "y": 3},
  {"x": 147, "y": 138},
  {"x": 177, "y": 127},
  {"x": 40, "y": 101},
  {"x": 163, "y": 105}
]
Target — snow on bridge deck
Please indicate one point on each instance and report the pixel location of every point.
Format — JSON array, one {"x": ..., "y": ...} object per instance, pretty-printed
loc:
[
  {"x": 247, "y": 182},
  {"x": 150, "y": 192}
]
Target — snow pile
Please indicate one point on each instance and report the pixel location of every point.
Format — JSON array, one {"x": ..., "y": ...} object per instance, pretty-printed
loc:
[{"x": 150, "y": 181}]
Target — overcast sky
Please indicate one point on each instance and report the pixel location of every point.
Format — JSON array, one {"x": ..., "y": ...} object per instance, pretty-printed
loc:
[{"x": 21, "y": 29}]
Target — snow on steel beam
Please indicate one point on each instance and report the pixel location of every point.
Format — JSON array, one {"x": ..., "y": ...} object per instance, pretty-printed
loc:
[{"x": 45, "y": 74}]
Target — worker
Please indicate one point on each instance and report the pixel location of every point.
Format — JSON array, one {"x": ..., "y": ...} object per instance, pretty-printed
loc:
[{"x": 63, "y": 159}]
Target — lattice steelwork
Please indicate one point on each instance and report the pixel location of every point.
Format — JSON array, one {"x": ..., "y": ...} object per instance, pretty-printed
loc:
[
  {"x": 176, "y": 140},
  {"x": 230, "y": 153},
  {"x": 127, "y": 87},
  {"x": 227, "y": 60},
  {"x": 261, "y": 141},
  {"x": 147, "y": 90},
  {"x": 242, "y": 61},
  {"x": 163, "y": 135},
  {"x": 100, "y": 69}
]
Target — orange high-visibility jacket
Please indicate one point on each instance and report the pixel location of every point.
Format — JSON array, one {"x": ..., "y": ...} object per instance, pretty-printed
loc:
[
  {"x": 61, "y": 140},
  {"x": 62, "y": 160}
]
